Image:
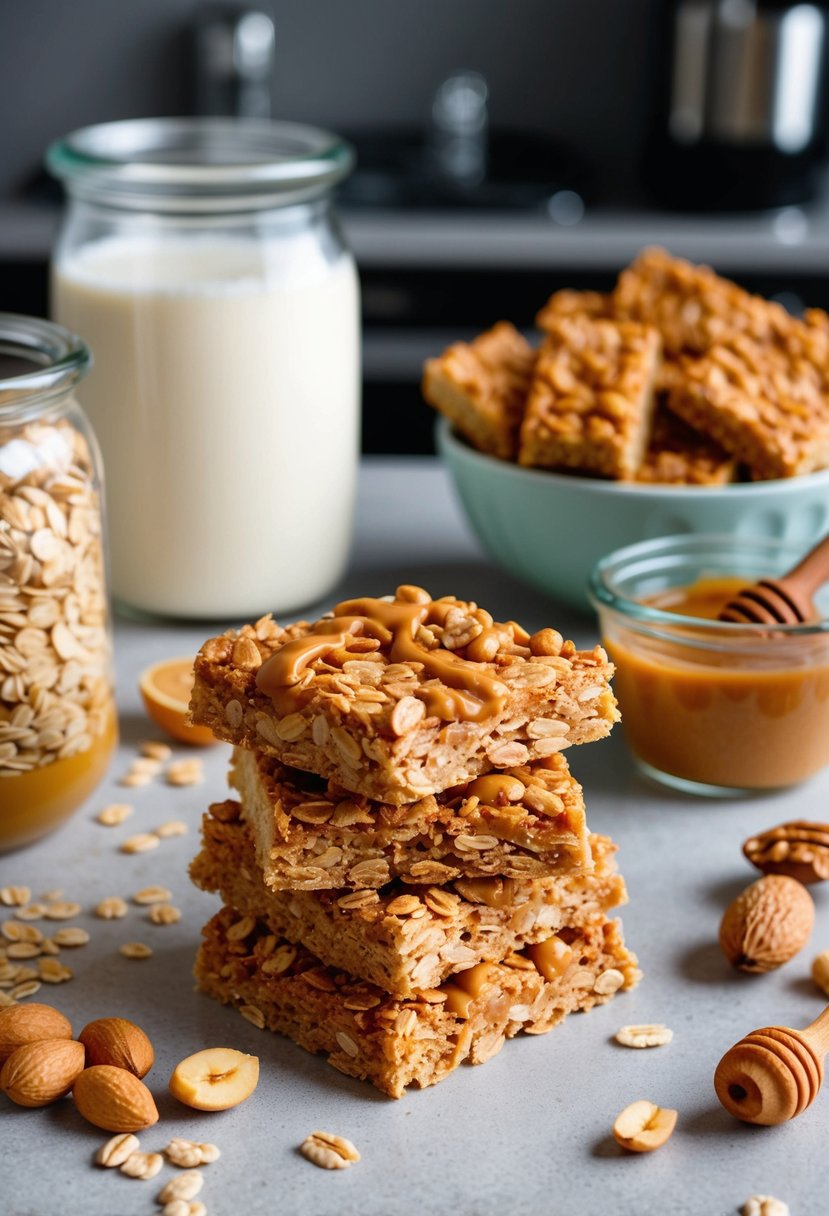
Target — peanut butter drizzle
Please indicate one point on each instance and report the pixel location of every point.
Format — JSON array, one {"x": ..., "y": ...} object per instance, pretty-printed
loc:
[{"x": 467, "y": 694}]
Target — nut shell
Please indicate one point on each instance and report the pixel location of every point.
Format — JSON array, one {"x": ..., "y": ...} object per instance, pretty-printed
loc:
[
  {"x": 39, "y": 1073},
  {"x": 767, "y": 924},
  {"x": 119, "y": 1042},
  {"x": 20, "y": 1024},
  {"x": 114, "y": 1099},
  {"x": 799, "y": 849}
]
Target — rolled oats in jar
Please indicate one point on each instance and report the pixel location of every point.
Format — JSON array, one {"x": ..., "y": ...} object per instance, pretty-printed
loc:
[{"x": 57, "y": 712}]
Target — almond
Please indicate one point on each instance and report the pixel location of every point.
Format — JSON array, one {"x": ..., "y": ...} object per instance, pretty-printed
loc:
[
  {"x": 767, "y": 924},
  {"x": 21, "y": 1024},
  {"x": 38, "y": 1073},
  {"x": 119, "y": 1042},
  {"x": 114, "y": 1099}
]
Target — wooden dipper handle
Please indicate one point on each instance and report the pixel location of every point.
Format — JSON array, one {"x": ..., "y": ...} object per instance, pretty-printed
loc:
[{"x": 774, "y": 1073}]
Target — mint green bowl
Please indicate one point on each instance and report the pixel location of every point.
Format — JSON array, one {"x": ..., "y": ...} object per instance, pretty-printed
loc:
[{"x": 550, "y": 529}]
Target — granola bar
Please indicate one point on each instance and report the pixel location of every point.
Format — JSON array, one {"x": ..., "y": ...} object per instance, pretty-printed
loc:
[
  {"x": 692, "y": 307},
  {"x": 766, "y": 405},
  {"x": 406, "y": 937},
  {"x": 403, "y": 697},
  {"x": 311, "y": 834},
  {"x": 567, "y": 303},
  {"x": 679, "y": 455},
  {"x": 393, "y": 1043},
  {"x": 592, "y": 397},
  {"x": 481, "y": 387}
]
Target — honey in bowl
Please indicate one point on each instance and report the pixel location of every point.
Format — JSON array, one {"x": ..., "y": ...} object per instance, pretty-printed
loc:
[{"x": 709, "y": 706}]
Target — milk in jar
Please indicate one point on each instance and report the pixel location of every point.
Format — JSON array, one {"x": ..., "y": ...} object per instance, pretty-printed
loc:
[{"x": 225, "y": 391}]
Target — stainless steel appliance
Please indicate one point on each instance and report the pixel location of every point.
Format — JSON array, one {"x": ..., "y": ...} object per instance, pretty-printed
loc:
[{"x": 740, "y": 105}]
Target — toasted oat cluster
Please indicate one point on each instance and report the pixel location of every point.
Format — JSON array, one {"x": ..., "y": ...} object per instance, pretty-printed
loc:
[
  {"x": 313, "y": 834},
  {"x": 749, "y": 381},
  {"x": 482, "y": 385},
  {"x": 592, "y": 397},
  {"x": 568, "y": 303},
  {"x": 368, "y": 1033},
  {"x": 55, "y": 657},
  {"x": 405, "y": 936},
  {"x": 401, "y": 698}
]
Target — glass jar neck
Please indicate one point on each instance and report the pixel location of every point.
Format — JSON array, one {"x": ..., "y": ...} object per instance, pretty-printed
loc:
[{"x": 40, "y": 364}]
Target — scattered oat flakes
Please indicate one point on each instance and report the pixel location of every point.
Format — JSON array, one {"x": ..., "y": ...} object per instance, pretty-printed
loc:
[
  {"x": 189, "y": 1153},
  {"x": 173, "y": 827},
  {"x": 329, "y": 1152},
  {"x": 49, "y": 946},
  {"x": 184, "y": 1207},
  {"x": 764, "y": 1205},
  {"x": 185, "y": 772},
  {"x": 152, "y": 895},
  {"x": 31, "y": 912},
  {"x": 135, "y": 950},
  {"x": 155, "y": 750},
  {"x": 145, "y": 764},
  {"x": 114, "y": 814},
  {"x": 608, "y": 982},
  {"x": 116, "y": 1151},
  {"x": 6, "y": 1001},
  {"x": 183, "y": 1186},
  {"x": 21, "y": 991},
  {"x": 131, "y": 779},
  {"x": 14, "y": 931},
  {"x": 62, "y": 910},
  {"x": 648, "y": 1034},
  {"x": 142, "y": 1165},
  {"x": 49, "y": 897},
  {"x": 15, "y": 896},
  {"x": 111, "y": 908},
  {"x": 24, "y": 950},
  {"x": 253, "y": 1015},
  {"x": 141, "y": 843},
  {"x": 51, "y": 971},
  {"x": 72, "y": 935},
  {"x": 164, "y": 914}
]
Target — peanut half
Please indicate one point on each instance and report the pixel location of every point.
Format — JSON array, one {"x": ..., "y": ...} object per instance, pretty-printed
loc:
[
  {"x": 217, "y": 1078},
  {"x": 643, "y": 1126}
]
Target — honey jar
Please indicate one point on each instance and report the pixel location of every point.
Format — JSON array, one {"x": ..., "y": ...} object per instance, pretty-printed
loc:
[{"x": 57, "y": 710}]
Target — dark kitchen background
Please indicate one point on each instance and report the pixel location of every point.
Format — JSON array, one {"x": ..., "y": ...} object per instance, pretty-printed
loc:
[{"x": 506, "y": 147}]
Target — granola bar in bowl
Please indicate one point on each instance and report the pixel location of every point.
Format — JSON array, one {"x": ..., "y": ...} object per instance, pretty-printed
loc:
[{"x": 677, "y": 403}]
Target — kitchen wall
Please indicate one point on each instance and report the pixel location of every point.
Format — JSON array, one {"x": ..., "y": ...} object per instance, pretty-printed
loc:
[{"x": 569, "y": 67}]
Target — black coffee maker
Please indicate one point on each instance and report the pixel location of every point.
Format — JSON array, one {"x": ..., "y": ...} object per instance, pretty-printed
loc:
[{"x": 739, "y": 109}]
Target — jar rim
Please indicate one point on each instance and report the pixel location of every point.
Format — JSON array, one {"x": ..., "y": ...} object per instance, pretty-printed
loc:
[
  {"x": 666, "y": 553},
  {"x": 60, "y": 357},
  {"x": 199, "y": 164}
]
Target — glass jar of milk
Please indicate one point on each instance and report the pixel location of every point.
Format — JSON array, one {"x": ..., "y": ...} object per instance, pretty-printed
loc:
[{"x": 201, "y": 260}]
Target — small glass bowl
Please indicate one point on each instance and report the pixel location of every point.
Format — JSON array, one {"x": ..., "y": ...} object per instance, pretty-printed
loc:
[{"x": 710, "y": 707}]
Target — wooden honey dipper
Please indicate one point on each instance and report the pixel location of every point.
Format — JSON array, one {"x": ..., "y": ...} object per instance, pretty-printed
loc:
[
  {"x": 775, "y": 1073},
  {"x": 786, "y": 600}
]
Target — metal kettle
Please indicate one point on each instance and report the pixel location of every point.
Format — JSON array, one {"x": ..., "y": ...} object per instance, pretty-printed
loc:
[{"x": 740, "y": 106}]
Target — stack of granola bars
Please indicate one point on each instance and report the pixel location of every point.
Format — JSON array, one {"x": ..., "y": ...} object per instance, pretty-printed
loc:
[{"x": 407, "y": 873}]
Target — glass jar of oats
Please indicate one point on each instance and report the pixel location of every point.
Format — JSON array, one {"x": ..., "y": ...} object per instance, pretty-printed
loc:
[{"x": 57, "y": 710}]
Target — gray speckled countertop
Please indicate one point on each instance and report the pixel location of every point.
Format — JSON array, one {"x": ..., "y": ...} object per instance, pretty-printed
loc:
[{"x": 529, "y": 1132}]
